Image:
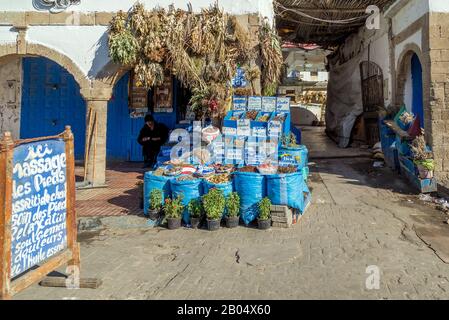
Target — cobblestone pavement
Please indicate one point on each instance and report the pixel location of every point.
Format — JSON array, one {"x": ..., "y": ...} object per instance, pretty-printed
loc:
[{"x": 359, "y": 217}]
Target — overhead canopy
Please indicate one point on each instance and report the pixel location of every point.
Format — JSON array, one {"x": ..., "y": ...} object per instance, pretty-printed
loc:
[{"x": 324, "y": 22}]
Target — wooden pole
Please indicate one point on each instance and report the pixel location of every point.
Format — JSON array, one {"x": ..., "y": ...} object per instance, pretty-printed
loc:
[
  {"x": 6, "y": 168},
  {"x": 88, "y": 139},
  {"x": 72, "y": 244}
]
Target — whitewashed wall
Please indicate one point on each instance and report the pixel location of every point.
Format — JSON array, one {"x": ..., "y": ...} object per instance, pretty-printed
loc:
[
  {"x": 87, "y": 46},
  {"x": 10, "y": 97},
  {"x": 264, "y": 7}
]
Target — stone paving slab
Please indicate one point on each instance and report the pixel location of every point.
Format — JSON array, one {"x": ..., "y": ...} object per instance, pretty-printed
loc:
[{"x": 357, "y": 219}]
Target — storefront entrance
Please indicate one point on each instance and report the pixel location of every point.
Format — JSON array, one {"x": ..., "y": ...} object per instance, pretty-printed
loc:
[
  {"x": 123, "y": 130},
  {"x": 51, "y": 100}
]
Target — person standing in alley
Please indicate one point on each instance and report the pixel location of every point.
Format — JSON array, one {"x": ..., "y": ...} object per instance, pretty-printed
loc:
[{"x": 152, "y": 137}]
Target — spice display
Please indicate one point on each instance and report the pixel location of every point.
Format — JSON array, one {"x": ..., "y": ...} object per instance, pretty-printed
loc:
[
  {"x": 186, "y": 178},
  {"x": 251, "y": 169},
  {"x": 288, "y": 169},
  {"x": 159, "y": 172},
  {"x": 219, "y": 178},
  {"x": 267, "y": 168},
  {"x": 252, "y": 115},
  {"x": 174, "y": 171},
  {"x": 219, "y": 168},
  {"x": 279, "y": 117},
  {"x": 264, "y": 118}
]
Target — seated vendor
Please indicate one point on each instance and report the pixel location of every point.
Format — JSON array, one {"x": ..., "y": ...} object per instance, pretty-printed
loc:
[{"x": 152, "y": 137}]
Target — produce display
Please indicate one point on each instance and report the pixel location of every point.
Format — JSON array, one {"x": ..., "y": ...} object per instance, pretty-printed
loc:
[
  {"x": 186, "y": 178},
  {"x": 267, "y": 168},
  {"x": 288, "y": 169},
  {"x": 251, "y": 115},
  {"x": 219, "y": 178},
  {"x": 173, "y": 171},
  {"x": 251, "y": 169},
  {"x": 220, "y": 168},
  {"x": 279, "y": 117},
  {"x": 159, "y": 172},
  {"x": 264, "y": 118}
]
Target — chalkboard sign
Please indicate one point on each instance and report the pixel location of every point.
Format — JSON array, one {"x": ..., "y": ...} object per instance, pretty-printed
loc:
[
  {"x": 39, "y": 204},
  {"x": 37, "y": 213}
]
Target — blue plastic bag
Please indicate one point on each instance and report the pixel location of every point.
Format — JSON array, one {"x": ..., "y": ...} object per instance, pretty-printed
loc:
[
  {"x": 190, "y": 190},
  {"x": 286, "y": 190},
  {"x": 251, "y": 188},
  {"x": 298, "y": 155},
  {"x": 152, "y": 182}
]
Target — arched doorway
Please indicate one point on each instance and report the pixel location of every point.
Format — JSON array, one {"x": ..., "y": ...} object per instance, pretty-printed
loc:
[
  {"x": 417, "y": 88},
  {"x": 410, "y": 84},
  {"x": 51, "y": 99}
]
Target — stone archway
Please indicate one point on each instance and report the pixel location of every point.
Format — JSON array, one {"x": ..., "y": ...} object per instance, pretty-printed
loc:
[
  {"x": 403, "y": 67},
  {"x": 33, "y": 49}
]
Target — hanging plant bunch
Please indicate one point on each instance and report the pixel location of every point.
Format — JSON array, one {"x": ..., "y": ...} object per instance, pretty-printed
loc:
[
  {"x": 272, "y": 59},
  {"x": 201, "y": 50}
]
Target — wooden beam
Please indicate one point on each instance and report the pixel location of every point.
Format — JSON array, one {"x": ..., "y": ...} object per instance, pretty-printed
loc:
[
  {"x": 34, "y": 276},
  {"x": 61, "y": 282}
]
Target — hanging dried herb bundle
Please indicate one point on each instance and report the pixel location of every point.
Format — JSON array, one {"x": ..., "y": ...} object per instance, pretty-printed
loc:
[
  {"x": 201, "y": 50},
  {"x": 272, "y": 59},
  {"x": 419, "y": 148}
]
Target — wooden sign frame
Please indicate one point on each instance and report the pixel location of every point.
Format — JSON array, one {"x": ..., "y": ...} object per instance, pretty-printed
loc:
[{"x": 70, "y": 255}]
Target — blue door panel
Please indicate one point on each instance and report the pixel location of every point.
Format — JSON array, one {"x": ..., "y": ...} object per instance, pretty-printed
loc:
[
  {"x": 418, "y": 108},
  {"x": 51, "y": 100},
  {"x": 122, "y": 130}
]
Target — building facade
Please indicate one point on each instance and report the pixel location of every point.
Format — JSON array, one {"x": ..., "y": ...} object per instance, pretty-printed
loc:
[
  {"x": 410, "y": 50},
  {"x": 55, "y": 71}
]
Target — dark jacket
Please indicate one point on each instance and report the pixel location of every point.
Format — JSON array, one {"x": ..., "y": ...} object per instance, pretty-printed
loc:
[{"x": 160, "y": 131}]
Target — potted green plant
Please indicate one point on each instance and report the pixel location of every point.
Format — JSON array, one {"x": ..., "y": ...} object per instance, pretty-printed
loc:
[
  {"x": 195, "y": 208},
  {"x": 173, "y": 209},
  {"x": 155, "y": 204},
  {"x": 264, "y": 220},
  {"x": 422, "y": 157},
  {"x": 214, "y": 204},
  {"x": 233, "y": 210}
]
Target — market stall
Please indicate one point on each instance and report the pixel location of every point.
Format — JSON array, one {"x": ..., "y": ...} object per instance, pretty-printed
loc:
[
  {"x": 255, "y": 158},
  {"x": 406, "y": 151}
]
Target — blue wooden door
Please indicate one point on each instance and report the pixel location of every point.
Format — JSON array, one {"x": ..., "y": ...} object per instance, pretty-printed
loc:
[
  {"x": 417, "y": 106},
  {"x": 122, "y": 131},
  {"x": 51, "y": 100}
]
